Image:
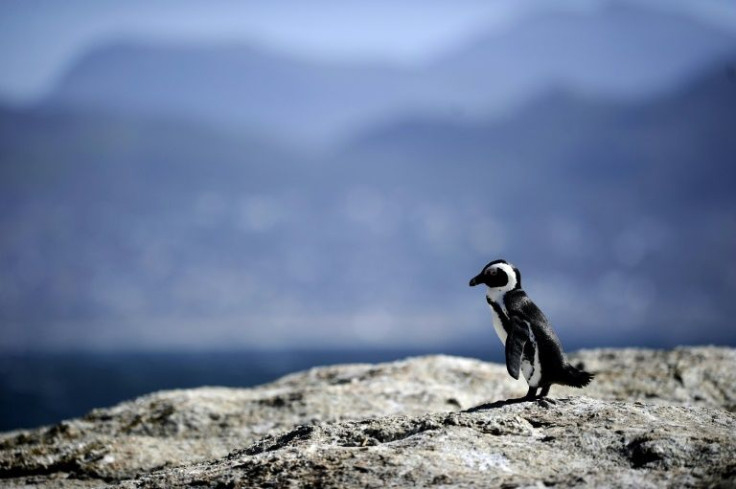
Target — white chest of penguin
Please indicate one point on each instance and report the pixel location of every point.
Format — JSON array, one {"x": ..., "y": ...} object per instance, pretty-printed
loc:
[
  {"x": 493, "y": 296},
  {"x": 498, "y": 325}
]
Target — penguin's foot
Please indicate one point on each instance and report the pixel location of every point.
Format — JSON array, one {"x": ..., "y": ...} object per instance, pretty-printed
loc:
[
  {"x": 546, "y": 402},
  {"x": 531, "y": 394}
]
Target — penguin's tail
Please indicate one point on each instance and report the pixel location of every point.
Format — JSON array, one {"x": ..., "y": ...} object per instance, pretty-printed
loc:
[{"x": 575, "y": 377}]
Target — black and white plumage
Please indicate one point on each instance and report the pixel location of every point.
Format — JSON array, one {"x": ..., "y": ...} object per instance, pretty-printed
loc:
[{"x": 532, "y": 347}]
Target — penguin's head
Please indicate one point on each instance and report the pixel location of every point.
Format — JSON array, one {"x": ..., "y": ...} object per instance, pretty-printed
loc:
[{"x": 500, "y": 275}]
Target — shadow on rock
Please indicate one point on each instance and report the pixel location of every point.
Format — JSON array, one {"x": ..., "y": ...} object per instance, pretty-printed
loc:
[{"x": 542, "y": 401}]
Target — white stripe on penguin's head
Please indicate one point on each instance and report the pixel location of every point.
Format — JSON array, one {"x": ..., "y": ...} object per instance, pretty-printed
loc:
[{"x": 514, "y": 280}]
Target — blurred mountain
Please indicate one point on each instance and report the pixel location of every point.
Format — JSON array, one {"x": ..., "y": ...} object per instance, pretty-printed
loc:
[
  {"x": 626, "y": 207},
  {"x": 122, "y": 231},
  {"x": 675, "y": 147},
  {"x": 232, "y": 86},
  {"x": 621, "y": 51},
  {"x": 110, "y": 217}
]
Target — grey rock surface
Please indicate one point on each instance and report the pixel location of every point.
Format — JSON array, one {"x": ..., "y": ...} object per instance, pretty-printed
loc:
[
  {"x": 576, "y": 441},
  {"x": 650, "y": 418}
]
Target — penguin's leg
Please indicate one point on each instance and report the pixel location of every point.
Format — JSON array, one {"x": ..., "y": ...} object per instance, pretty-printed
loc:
[
  {"x": 530, "y": 394},
  {"x": 545, "y": 401}
]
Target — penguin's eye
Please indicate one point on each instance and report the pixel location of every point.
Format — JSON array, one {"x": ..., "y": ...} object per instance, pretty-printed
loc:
[{"x": 494, "y": 271}]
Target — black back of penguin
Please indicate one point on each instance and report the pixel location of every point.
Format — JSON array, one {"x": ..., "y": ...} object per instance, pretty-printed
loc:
[{"x": 551, "y": 355}]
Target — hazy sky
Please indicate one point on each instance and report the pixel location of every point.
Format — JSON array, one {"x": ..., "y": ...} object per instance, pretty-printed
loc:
[{"x": 39, "y": 39}]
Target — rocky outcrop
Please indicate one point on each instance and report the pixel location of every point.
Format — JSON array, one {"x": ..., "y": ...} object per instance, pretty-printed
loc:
[
  {"x": 576, "y": 441},
  {"x": 650, "y": 418}
]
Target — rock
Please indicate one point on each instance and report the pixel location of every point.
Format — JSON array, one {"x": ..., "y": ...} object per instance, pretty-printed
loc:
[
  {"x": 649, "y": 418},
  {"x": 576, "y": 441},
  {"x": 703, "y": 375}
]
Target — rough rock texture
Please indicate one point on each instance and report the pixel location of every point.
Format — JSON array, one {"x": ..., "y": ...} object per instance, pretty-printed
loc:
[
  {"x": 576, "y": 441},
  {"x": 650, "y": 418}
]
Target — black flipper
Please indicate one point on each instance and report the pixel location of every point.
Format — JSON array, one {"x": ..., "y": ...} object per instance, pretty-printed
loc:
[{"x": 517, "y": 337}]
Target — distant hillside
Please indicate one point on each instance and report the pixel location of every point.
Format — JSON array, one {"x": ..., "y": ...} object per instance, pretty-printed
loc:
[
  {"x": 125, "y": 229},
  {"x": 676, "y": 147},
  {"x": 52, "y": 151},
  {"x": 606, "y": 200},
  {"x": 108, "y": 218},
  {"x": 239, "y": 86},
  {"x": 623, "y": 51},
  {"x": 570, "y": 153}
]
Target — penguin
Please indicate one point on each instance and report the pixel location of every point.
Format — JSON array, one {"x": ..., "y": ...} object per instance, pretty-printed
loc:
[{"x": 532, "y": 347}]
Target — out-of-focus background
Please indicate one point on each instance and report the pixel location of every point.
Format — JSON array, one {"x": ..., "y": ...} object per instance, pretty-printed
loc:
[{"x": 222, "y": 192}]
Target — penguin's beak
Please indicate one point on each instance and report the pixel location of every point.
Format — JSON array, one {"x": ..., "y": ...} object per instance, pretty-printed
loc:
[{"x": 475, "y": 281}]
